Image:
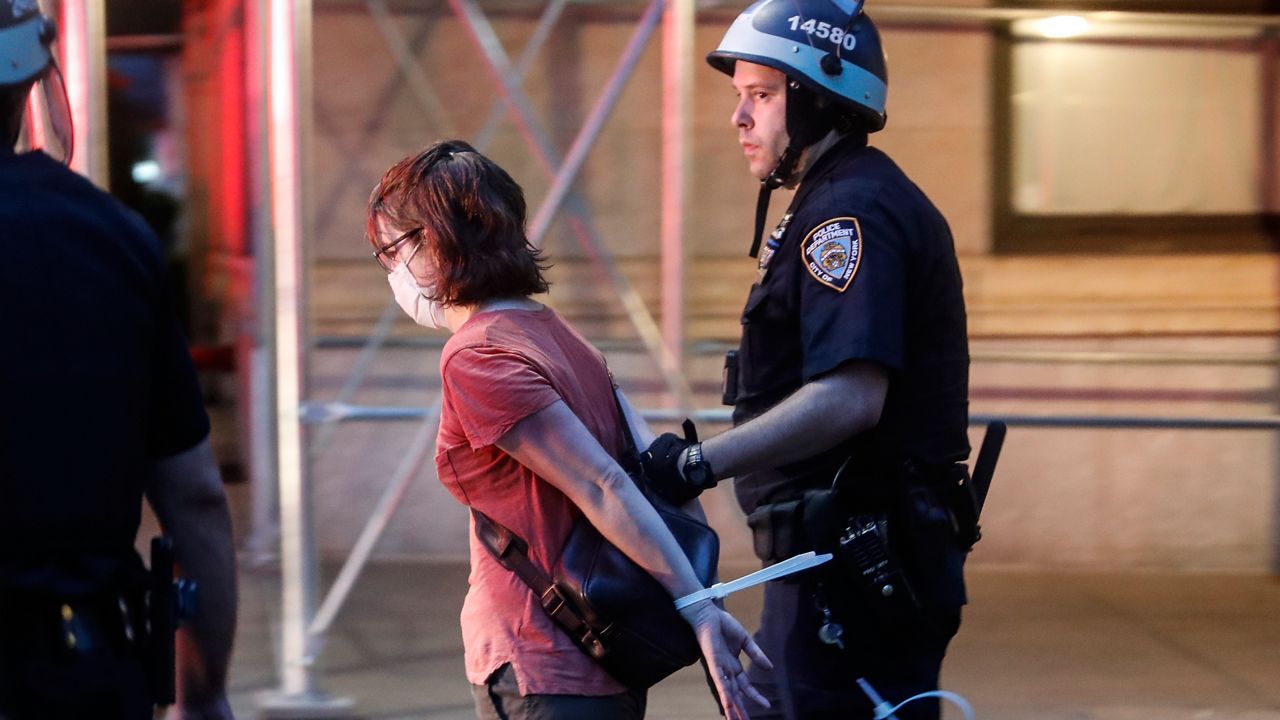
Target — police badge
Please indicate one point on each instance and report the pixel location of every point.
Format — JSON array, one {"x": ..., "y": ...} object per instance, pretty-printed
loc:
[
  {"x": 775, "y": 242},
  {"x": 832, "y": 252}
]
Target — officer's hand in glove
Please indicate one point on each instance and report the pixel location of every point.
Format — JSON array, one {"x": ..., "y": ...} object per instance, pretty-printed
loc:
[{"x": 675, "y": 468}]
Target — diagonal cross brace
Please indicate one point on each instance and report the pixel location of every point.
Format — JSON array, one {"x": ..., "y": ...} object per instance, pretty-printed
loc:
[
  {"x": 404, "y": 51},
  {"x": 563, "y": 175},
  {"x": 404, "y": 54}
]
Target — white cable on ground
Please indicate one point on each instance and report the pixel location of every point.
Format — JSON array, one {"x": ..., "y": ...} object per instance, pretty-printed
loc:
[{"x": 885, "y": 711}]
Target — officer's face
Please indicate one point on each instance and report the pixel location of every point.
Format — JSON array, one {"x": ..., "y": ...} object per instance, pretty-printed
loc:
[{"x": 761, "y": 115}]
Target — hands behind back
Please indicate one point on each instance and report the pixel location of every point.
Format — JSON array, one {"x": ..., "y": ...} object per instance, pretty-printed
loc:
[{"x": 723, "y": 640}]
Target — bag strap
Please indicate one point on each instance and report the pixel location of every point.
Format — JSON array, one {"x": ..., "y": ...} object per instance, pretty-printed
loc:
[
  {"x": 629, "y": 441},
  {"x": 512, "y": 552},
  {"x": 630, "y": 457}
]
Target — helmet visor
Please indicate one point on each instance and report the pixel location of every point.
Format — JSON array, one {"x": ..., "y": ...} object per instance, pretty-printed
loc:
[{"x": 47, "y": 125}]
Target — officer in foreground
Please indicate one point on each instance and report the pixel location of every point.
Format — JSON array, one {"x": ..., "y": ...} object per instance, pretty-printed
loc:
[
  {"x": 98, "y": 404},
  {"x": 853, "y": 348}
]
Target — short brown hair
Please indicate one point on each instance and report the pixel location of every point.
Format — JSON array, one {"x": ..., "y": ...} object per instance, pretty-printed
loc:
[{"x": 472, "y": 215}]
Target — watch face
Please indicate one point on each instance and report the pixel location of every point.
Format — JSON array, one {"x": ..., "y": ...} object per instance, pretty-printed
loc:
[{"x": 698, "y": 473}]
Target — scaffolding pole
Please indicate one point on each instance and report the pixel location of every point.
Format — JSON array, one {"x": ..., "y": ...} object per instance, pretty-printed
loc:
[
  {"x": 328, "y": 415},
  {"x": 1269, "y": 196},
  {"x": 303, "y": 628},
  {"x": 83, "y": 47},
  {"x": 677, "y": 98},
  {"x": 261, "y": 431},
  {"x": 288, "y": 92}
]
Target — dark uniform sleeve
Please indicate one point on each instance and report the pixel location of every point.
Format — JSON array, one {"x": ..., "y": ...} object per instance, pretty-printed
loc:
[
  {"x": 852, "y": 292},
  {"x": 178, "y": 418}
]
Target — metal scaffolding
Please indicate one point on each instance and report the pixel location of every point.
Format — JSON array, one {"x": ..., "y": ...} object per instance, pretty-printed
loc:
[
  {"x": 288, "y": 32},
  {"x": 288, "y": 103},
  {"x": 279, "y": 125},
  {"x": 83, "y": 59}
]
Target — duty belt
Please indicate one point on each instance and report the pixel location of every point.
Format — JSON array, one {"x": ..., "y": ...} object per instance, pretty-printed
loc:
[
  {"x": 41, "y": 626},
  {"x": 815, "y": 520}
]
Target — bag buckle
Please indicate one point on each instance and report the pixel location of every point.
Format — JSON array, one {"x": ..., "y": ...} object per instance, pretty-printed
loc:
[
  {"x": 591, "y": 642},
  {"x": 552, "y": 600}
]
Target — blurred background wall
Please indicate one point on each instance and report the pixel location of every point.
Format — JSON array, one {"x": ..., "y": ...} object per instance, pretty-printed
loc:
[{"x": 1113, "y": 197}]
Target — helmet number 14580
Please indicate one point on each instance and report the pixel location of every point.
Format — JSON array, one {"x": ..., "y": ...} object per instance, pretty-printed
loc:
[{"x": 824, "y": 31}]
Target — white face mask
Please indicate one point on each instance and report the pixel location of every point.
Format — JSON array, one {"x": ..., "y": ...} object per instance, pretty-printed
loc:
[{"x": 410, "y": 297}]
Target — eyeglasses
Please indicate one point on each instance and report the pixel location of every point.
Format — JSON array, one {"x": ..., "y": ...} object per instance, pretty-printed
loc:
[{"x": 386, "y": 255}]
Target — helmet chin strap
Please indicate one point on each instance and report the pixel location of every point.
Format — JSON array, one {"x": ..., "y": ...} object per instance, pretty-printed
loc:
[
  {"x": 779, "y": 176},
  {"x": 807, "y": 122}
]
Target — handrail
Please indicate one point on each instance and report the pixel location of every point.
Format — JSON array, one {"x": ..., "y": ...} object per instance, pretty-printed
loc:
[
  {"x": 342, "y": 412},
  {"x": 1110, "y": 357},
  {"x": 1083, "y": 357}
]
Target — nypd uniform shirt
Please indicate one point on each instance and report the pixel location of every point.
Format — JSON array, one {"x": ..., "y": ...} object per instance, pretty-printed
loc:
[
  {"x": 862, "y": 267},
  {"x": 96, "y": 383}
]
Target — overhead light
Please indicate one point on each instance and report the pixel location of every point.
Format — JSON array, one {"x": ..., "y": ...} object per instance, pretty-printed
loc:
[
  {"x": 146, "y": 171},
  {"x": 1060, "y": 27}
]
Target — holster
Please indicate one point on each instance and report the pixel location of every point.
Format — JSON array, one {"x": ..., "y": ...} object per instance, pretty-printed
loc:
[
  {"x": 866, "y": 564},
  {"x": 951, "y": 487},
  {"x": 729, "y": 381},
  {"x": 882, "y": 525},
  {"x": 170, "y": 600},
  {"x": 965, "y": 505}
]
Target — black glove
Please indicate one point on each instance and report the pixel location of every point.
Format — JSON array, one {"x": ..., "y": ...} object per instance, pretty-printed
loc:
[{"x": 661, "y": 463}]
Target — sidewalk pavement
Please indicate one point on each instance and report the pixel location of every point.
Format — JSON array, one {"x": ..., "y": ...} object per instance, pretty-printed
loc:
[{"x": 1033, "y": 646}]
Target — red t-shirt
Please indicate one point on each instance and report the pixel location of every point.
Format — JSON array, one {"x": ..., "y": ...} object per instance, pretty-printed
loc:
[{"x": 499, "y": 368}]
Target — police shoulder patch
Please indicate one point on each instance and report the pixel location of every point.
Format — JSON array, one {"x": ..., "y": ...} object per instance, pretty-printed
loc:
[{"x": 832, "y": 252}]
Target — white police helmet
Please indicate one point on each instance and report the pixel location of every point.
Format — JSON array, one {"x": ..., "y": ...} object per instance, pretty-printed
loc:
[{"x": 831, "y": 47}]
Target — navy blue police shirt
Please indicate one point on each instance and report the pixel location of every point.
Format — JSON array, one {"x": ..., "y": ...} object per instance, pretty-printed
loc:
[
  {"x": 861, "y": 267},
  {"x": 96, "y": 382}
]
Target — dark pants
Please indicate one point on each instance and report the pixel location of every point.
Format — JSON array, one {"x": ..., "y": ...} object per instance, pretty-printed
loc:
[
  {"x": 89, "y": 685},
  {"x": 815, "y": 681},
  {"x": 500, "y": 699}
]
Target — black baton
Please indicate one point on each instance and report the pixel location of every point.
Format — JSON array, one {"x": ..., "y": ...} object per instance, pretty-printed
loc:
[{"x": 162, "y": 615}]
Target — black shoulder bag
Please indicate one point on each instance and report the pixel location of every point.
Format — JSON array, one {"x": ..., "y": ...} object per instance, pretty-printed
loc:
[{"x": 610, "y": 607}]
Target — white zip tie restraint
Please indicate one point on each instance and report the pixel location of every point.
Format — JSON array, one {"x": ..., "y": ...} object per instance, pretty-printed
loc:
[
  {"x": 803, "y": 561},
  {"x": 885, "y": 711}
]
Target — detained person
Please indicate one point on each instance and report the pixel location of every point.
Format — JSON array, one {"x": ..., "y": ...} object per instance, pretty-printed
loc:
[{"x": 529, "y": 435}]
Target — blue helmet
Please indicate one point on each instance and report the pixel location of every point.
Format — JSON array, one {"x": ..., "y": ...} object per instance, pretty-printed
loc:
[
  {"x": 25, "y": 37},
  {"x": 28, "y": 65},
  {"x": 830, "y": 47}
]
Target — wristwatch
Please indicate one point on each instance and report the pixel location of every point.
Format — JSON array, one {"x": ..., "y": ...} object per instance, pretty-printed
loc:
[{"x": 697, "y": 472}]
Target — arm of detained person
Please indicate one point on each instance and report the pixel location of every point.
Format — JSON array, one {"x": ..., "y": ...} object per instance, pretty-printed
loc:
[
  {"x": 825, "y": 411},
  {"x": 555, "y": 445},
  {"x": 186, "y": 492}
]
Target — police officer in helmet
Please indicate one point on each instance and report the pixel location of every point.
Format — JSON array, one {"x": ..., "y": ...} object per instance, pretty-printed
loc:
[
  {"x": 100, "y": 406},
  {"x": 850, "y": 384}
]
